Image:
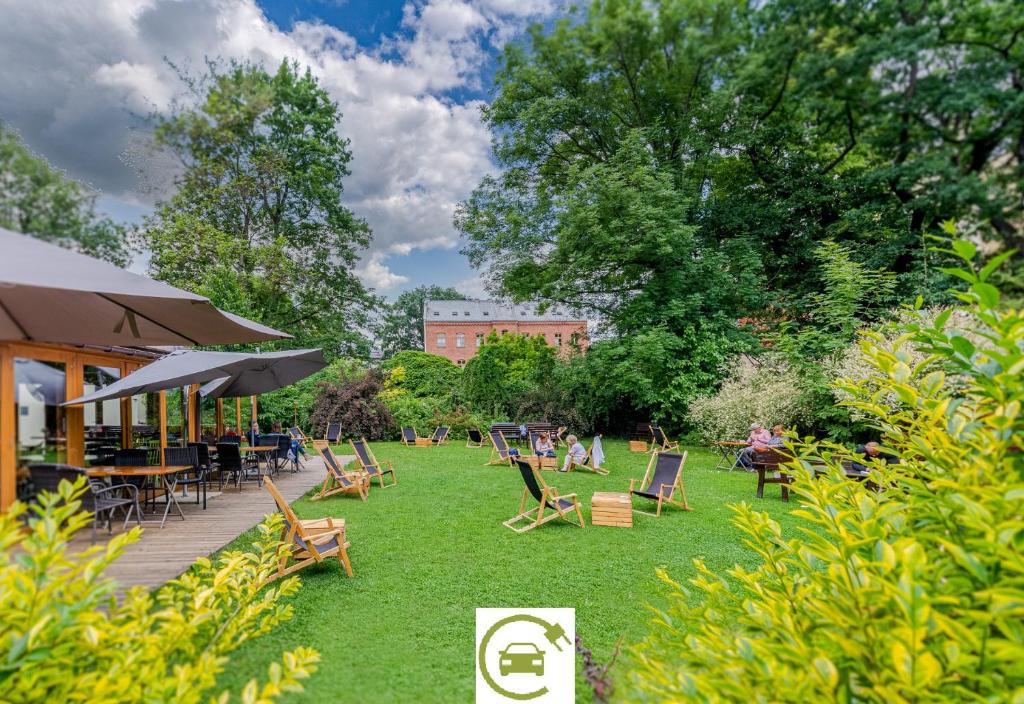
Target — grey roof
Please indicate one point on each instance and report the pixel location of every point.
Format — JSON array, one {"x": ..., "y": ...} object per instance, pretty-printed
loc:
[{"x": 487, "y": 311}]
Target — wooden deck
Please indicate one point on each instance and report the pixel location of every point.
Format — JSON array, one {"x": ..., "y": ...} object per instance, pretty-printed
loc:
[{"x": 163, "y": 554}]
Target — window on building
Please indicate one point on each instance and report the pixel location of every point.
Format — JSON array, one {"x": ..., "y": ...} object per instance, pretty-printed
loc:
[
  {"x": 460, "y": 340},
  {"x": 436, "y": 313},
  {"x": 455, "y": 314},
  {"x": 479, "y": 339},
  {"x": 558, "y": 339},
  {"x": 466, "y": 313},
  {"x": 461, "y": 362},
  {"x": 486, "y": 313},
  {"x": 504, "y": 332},
  {"x": 102, "y": 419},
  {"x": 442, "y": 339},
  {"x": 574, "y": 339}
]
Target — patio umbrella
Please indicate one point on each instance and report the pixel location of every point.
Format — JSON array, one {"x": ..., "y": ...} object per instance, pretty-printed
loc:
[
  {"x": 184, "y": 367},
  {"x": 266, "y": 372},
  {"x": 51, "y": 294}
]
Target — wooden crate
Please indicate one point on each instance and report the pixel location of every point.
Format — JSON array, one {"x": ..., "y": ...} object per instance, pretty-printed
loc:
[
  {"x": 637, "y": 446},
  {"x": 423, "y": 442},
  {"x": 609, "y": 508},
  {"x": 541, "y": 462}
]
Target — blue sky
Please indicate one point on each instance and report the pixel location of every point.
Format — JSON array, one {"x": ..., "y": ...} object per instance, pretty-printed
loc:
[{"x": 410, "y": 79}]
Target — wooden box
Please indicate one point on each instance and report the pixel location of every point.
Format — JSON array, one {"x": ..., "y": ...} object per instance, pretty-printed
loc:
[
  {"x": 637, "y": 446},
  {"x": 541, "y": 462},
  {"x": 423, "y": 442},
  {"x": 608, "y": 508}
]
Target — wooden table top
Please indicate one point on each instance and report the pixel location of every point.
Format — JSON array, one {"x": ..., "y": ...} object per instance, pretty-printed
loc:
[
  {"x": 730, "y": 443},
  {"x": 112, "y": 471},
  {"x": 257, "y": 448}
]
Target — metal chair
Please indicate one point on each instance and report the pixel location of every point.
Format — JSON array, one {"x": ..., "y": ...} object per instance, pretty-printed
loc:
[
  {"x": 188, "y": 456},
  {"x": 101, "y": 500}
]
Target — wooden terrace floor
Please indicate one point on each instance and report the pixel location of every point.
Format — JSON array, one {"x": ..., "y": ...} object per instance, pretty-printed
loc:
[{"x": 163, "y": 554}]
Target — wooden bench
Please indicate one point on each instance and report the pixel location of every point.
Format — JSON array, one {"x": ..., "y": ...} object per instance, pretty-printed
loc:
[
  {"x": 769, "y": 461},
  {"x": 509, "y": 431}
]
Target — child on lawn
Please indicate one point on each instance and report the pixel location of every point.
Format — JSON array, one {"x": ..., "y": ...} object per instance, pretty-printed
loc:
[{"x": 577, "y": 453}]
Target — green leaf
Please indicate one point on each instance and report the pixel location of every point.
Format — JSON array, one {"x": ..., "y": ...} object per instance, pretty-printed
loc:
[
  {"x": 988, "y": 294},
  {"x": 965, "y": 249}
]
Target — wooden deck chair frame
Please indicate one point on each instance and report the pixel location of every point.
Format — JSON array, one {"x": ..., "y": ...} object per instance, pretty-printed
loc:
[
  {"x": 479, "y": 443},
  {"x": 440, "y": 436},
  {"x": 674, "y": 486},
  {"x": 661, "y": 444},
  {"x": 309, "y": 541},
  {"x": 335, "y": 482},
  {"x": 296, "y": 434},
  {"x": 550, "y": 501},
  {"x": 559, "y": 436},
  {"x": 588, "y": 463},
  {"x": 495, "y": 458},
  {"x": 373, "y": 462}
]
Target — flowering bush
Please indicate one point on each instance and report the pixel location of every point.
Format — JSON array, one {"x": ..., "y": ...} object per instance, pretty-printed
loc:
[
  {"x": 65, "y": 637},
  {"x": 355, "y": 404},
  {"x": 908, "y": 594},
  {"x": 767, "y": 392}
]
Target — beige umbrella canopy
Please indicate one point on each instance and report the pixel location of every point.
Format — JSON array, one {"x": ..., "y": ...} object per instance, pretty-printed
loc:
[{"x": 51, "y": 294}]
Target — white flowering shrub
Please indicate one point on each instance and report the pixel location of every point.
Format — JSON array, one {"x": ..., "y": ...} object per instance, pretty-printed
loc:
[
  {"x": 854, "y": 367},
  {"x": 766, "y": 391}
]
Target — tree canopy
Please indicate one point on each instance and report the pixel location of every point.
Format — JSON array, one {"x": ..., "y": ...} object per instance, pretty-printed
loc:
[
  {"x": 39, "y": 200},
  {"x": 257, "y": 223}
]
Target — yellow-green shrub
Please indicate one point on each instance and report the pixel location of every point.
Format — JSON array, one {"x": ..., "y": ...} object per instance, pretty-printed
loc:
[
  {"x": 66, "y": 637},
  {"x": 911, "y": 594}
]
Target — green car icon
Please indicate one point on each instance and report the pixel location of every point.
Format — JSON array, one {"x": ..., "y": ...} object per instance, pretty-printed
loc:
[{"x": 521, "y": 658}]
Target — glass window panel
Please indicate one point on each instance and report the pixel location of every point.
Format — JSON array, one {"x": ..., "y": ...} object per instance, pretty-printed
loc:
[
  {"x": 102, "y": 419},
  {"x": 39, "y": 421},
  {"x": 176, "y": 430},
  {"x": 146, "y": 423}
]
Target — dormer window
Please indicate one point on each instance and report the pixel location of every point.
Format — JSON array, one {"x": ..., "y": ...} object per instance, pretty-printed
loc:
[{"x": 436, "y": 313}]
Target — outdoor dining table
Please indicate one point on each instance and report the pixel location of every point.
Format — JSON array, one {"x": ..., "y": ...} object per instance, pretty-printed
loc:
[
  {"x": 262, "y": 453},
  {"x": 730, "y": 453},
  {"x": 168, "y": 478}
]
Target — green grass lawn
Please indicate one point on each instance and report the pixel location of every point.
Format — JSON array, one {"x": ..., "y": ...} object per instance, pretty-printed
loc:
[{"x": 429, "y": 551}]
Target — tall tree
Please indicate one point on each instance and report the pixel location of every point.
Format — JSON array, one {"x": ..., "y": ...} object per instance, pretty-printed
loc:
[
  {"x": 401, "y": 327},
  {"x": 39, "y": 200},
  {"x": 257, "y": 222}
]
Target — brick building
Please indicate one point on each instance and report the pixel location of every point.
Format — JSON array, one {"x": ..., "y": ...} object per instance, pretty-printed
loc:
[{"x": 456, "y": 329}]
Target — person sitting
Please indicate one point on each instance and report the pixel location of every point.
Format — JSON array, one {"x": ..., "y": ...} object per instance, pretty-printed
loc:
[
  {"x": 253, "y": 436},
  {"x": 778, "y": 438},
  {"x": 544, "y": 447},
  {"x": 577, "y": 453},
  {"x": 872, "y": 451},
  {"x": 276, "y": 428},
  {"x": 757, "y": 440}
]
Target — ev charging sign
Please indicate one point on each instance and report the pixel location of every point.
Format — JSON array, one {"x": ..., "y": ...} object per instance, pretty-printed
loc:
[{"x": 525, "y": 655}]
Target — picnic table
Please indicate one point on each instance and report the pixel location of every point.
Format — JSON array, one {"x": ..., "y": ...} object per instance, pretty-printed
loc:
[
  {"x": 167, "y": 475},
  {"x": 729, "y": 451}
]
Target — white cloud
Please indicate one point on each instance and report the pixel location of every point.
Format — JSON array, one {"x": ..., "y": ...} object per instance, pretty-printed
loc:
[{"x": 80, "y": 73}]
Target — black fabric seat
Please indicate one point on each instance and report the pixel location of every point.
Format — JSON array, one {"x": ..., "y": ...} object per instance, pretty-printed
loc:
[
  {"x": 229, "y": 461},
  {"x": 197, "y": 476}
]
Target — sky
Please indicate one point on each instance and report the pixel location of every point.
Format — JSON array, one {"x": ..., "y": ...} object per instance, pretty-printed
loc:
[{"x": 81, "y": 76}]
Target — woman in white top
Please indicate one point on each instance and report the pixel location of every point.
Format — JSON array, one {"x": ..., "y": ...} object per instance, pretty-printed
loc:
[{"x": 577, "y": 453}]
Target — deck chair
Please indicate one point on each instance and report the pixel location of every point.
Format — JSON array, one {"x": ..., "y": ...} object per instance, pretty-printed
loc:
[
  {"x": 410, "y": 438},
  {"x": 371, "y": 465},
  {"x": 309, "y": 541},
  {"x": 663, "y": 485},
  {"x": 333, "y": 434},
  {"x": 499, "y": 450},
  {"x": 661, "y": 442},
  {"x": 588, "y": 461},
  {"x": 440, "y": 436},
  {"x": 559, "y": 436},
  {"x": 547, "y": 498},
  {"x": 338, "y": 481},
  {"x": 474, "y": 438},
  {"x": 298, "y": 435}
]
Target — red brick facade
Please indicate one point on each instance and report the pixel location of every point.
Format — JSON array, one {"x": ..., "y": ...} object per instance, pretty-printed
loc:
[{"x": 558, "y": 333}]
